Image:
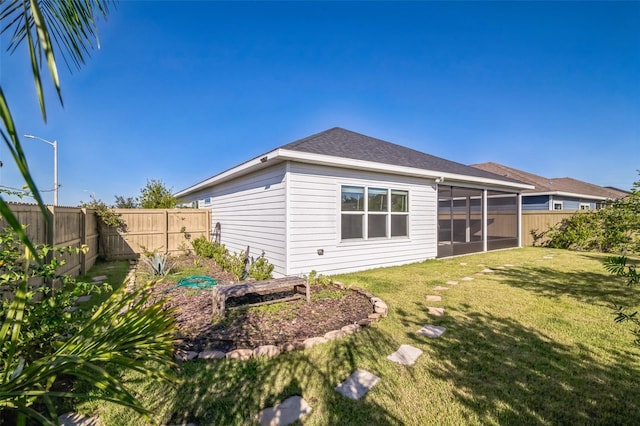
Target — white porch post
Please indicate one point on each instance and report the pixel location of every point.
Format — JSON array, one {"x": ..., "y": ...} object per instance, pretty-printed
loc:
[
  {"x": 519, "y": 209},
  {"x": 484, "y": 220}
]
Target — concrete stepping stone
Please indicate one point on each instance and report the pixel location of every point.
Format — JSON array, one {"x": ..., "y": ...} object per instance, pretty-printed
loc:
[
  {"x": 75, "y": 419},
  {"x": 487, "y": 271},
  {"x": 83, "y": 299},
  {"x": 547, "y": 257},
  {"x": 500, "y": 267},
  {"x": 358, "y": 384},
  {"x": 99, "y": 278},
  {"x": 509, "y": 265},
  {"x": 436, "y": 312},
  {"x": 463, "y": 263},
  {"x": 440, "y": 288},
  {"x": 467, "y": 279},
  {"x": 405, "y": 355},
  {"x": 432, "y": 331},
  {"x": 451, "y": 282},
  {"x": 290, "y": 410},
  {"x": 434, "y": 298}
]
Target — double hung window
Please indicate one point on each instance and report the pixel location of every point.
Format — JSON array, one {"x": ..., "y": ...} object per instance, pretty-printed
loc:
[{"x": 369, "y": 212}]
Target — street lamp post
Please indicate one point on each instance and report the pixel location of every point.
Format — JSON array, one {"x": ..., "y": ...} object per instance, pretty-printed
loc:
[{"x": 54, "y": 144}]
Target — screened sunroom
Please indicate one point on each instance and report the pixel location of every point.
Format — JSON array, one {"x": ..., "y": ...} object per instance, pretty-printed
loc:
[{"x": 472, "y": 220}]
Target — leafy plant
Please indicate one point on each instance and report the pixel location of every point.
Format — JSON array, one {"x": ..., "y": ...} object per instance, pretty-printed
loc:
[
  {"x": 127, "y": 331},
  {"x": 235, "y": 264},
  {"x": 261, "y": 269},
  {"x": 314, "y": 278}
]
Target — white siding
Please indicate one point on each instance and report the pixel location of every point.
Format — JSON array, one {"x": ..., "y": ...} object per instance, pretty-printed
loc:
[
  {"x": 251, "y": 211},
  {"x": 314, "y": 222}
]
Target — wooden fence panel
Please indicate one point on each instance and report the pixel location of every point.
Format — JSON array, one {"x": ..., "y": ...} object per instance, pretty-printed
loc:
[
  {"x": 165, "y": 230},
  {"x": 540, "y": 221}
]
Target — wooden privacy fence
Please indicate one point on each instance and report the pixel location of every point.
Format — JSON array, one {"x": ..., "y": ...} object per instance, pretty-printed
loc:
[
  {"x": 72, "y": 227},
  {"x": 540, "y": 221},
  {"x": 165, "y": 230}
]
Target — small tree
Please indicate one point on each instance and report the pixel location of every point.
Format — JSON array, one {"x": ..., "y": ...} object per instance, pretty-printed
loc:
[
  {"x": 155, "y": 195},
  {"x": 125, "y": 203}
]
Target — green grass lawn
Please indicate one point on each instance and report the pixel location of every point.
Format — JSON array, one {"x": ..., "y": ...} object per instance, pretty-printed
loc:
[{"x": 532, "y": 344}]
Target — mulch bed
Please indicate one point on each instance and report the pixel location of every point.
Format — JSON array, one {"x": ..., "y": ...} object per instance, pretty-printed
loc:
[{"x": 286, "y": 322}]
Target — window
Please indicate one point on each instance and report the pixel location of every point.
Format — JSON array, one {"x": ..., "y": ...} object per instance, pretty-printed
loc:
[
  {"x": 557, "y": 205},
  {"x": 352, "y": 212},
  {"x": 374, "y": 213}
]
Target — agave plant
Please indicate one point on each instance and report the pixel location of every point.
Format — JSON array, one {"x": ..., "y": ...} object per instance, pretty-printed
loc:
[{"x": 158, "y": 263}]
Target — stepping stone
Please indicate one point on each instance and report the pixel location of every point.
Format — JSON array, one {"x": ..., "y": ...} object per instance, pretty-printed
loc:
[
  {"x": 451, "y": 282},
  {"x": 99, "y": 278},
  {"x": 467, "y": 279},
  {"x": 436, "y": 312},
  {"x": 83, "y": 299},
  {"x": 290, "y": 410},
  {"x": 434, "y": 298},
  {"x": 463, "y": 263},
  {"x": 432, "y": 331},
  {"x": 406, "y": 355},
  {"x": 487, "y": 271},
  {"x": 500, "y": 267},
  {"x": 508, "y": 265},
  {"x": 440, "y": 288},
  {"x": 548, "y": 257},
  {"x": 75, "y": 419},
  {"x": 358, "y": 384}
]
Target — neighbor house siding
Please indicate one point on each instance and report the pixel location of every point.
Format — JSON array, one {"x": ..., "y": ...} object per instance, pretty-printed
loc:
[
  {"x": 535, "y": 202},
  {"x": 570, "y": 203},
  {"x": 251, "y": 212},
  {"x": 314, "y": 222}
]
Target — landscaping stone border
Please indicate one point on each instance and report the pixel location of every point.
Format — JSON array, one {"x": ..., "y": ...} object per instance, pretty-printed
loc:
[{"x": 379, "y": 310}]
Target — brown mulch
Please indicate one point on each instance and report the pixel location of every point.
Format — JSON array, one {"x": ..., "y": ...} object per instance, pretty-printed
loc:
[{"x": 285, "y": 322}]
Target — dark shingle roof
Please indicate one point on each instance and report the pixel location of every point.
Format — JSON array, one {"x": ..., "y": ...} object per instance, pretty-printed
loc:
[
  {"x": 338, "y": 142},
  {"x": 543, "y": 184}
]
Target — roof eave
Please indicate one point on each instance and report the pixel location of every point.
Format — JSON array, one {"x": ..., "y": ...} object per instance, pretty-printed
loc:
[
  {"x": 568, "y": 194},
  {"x": 279, "y": 155}
]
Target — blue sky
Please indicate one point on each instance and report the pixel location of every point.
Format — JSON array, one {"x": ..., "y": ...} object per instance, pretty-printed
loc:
[{"x": 180, "y": 91}]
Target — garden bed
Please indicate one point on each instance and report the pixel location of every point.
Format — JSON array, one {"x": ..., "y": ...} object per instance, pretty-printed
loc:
[{"x": 330, "y": 308}]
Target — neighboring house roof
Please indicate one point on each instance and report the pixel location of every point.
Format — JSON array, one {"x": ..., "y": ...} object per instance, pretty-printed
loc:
[
  {"x": 559, "y": 186},
  {"x": 343, "y": 148}
]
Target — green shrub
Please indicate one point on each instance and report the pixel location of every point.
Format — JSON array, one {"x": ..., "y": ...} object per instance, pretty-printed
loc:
[
  {"x": 235, "y": 263},
  {"x": 314, "y": 278},
  {"x": 261, "y": 269},
  {"x": 203, "y": 247},
  {"x": 44, "y": 343}
]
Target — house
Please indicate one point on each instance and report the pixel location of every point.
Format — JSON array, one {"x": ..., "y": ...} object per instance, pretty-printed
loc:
[
  {"x": 339, "y": 201},
  {"x": 557, "y": 193}
]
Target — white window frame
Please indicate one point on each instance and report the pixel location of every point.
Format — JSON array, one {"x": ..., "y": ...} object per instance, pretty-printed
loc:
[
  {"x": 365, "y": 221},
  {"x": 585, "y": 206},
  {"x": 557, "y": 203}
]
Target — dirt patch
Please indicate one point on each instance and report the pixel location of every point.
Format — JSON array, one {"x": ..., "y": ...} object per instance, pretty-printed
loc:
[{"x": 330, "y": 308}]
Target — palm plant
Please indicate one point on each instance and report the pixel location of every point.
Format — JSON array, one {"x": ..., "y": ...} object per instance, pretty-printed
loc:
[{"x": 127, "y": 330}]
